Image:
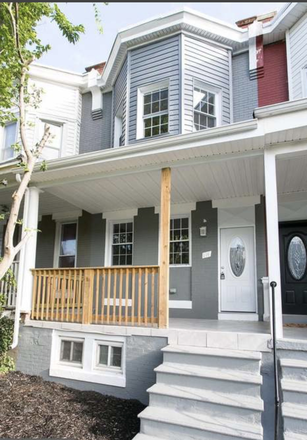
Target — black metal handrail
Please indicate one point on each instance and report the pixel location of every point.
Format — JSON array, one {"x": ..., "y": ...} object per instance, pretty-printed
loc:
[{"x": 273, "y": 285}]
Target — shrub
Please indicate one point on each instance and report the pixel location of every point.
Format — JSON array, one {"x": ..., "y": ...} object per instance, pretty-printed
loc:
[{"x": 6, "y": 339}]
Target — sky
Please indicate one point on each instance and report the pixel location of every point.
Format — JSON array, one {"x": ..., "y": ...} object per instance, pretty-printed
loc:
[{"x": 94, "y": 47}]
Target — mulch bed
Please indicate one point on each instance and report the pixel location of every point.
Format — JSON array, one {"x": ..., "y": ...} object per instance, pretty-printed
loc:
[{"x": 33, "y": 408}]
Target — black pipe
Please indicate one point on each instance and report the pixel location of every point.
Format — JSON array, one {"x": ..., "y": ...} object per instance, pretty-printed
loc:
[{"x": 273, "y": 285}]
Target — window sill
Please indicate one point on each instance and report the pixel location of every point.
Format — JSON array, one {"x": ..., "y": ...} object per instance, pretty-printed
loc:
[
  {"x": 179, "y": 265},
  {"x": 104, "y": 377}
]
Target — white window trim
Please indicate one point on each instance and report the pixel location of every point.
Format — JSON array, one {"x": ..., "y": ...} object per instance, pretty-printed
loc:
[
  {"x": 70, "y": 363},
  {"x": 2, "y": 140},
  {"x": 109, "y": 239},
  {"x": 41, "y": 118},
  {"x": 176, "y": 216},
  {"x": 218, "y": 99},
  {"x": 140, "y": 105},
  {"x": 304, "y": 81},
  {"x": 58, "y": 228},
  {"x": 88, "y": 371}
]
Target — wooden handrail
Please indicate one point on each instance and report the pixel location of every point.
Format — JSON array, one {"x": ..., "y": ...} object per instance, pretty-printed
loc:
[{"x": 121, "y": 295}]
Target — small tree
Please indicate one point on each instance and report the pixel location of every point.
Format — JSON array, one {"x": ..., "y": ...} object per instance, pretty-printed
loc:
[{"x": 19, "y": 47}]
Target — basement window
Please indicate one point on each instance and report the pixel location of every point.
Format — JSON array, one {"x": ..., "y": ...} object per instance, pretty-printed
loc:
[
  {"x": 109, "y": 356},
  {"x": 71, "y": 351}
]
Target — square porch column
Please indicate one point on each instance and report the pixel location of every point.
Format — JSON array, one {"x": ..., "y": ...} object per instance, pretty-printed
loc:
[
  {"x": 165, "y": 217},
  {"x": 271, "y": 204},
  {"x": 28, "y": 252}
]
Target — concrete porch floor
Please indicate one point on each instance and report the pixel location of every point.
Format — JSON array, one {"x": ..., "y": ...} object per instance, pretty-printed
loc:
[{"x": 213, "y": 325}]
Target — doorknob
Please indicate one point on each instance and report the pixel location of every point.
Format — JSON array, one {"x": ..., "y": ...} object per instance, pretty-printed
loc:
[{"x": 222, "y": 276}]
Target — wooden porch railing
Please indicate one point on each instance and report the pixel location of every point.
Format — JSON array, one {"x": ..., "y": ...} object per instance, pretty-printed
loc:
[
  {"x": 110, "y": 295},
  {"x": 8, "y": 286}
]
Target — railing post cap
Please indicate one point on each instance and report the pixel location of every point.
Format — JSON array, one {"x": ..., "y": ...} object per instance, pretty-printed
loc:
[{"x": 273, "y": 284}]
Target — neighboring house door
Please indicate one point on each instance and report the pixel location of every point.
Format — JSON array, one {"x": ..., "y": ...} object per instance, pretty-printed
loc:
[
  {"x": 293, "y": 261},
  {"x": 237, "y": 270}
]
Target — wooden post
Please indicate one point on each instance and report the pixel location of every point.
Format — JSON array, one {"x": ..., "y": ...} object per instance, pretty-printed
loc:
[{"x": 165, "y": 216}]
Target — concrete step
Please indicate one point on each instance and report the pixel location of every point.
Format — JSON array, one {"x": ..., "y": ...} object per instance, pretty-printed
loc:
[
  {"x": 288, "y": 435},
  {"x": 213, "y": 357},
  {"x": 294, "y": 368},
  {"x": 181, "y": 398},
  {"x": 294, "y": 391},
  {"x": 212, "y": 379},
  {"x": 173, "y": 425},
  {"x": 295, "y": 417},
  {"x": 146, "y": 437}
]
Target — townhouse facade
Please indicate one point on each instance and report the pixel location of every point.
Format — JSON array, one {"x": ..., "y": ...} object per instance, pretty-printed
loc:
[{"x": 175, "y": 194}]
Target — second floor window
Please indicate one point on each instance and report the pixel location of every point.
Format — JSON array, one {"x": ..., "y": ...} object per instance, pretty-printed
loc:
[
  {"x": 155, "y": 112},
  {"x": 52, "y": 149},
  {"x": 9, "y": 138},
  {"x": 204, "y": 109}
]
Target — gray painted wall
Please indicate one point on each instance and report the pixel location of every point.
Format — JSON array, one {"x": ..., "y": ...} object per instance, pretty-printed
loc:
[
  {"x": 245, "y": 91},
  {"x": 95, "y": 134},
  {"x": 143, "y": 355},
  {"x": 261, "y": 254},
  {"x": 91, "y": 240},
  {"x": 151, "y": 64},
  {"x": 208, "y": 63},
  {"x": 120, "y": 96},
  {"x": 45, "y": 242},
  {"x": 146, "y": 237}
]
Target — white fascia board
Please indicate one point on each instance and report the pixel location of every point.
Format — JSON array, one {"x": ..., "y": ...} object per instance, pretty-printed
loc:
[
  {"x": 120, "y": 215},
  {"x": 280, "y": 109},
  {"x": 66, "y": 216},
  {"x": 52, "y": 74},
  {"x": 237, "y": 202}
]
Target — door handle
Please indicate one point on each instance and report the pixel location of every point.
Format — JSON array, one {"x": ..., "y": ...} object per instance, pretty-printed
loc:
[{"x": 222, "y": 276}]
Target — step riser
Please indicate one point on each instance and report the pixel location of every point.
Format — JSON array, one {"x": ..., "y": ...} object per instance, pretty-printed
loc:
[
  {"x": 203, "y": 383},
  {"x": 294, "y": 397},
  {"x": 208, "y": 408},
  {"x": 292, "y": 354},
  {"x": 167, "y": 431},
  {"x": 294, "y": 373},
  {"x": 244, "y": 365},
  {"x": 295, "y": 425}
]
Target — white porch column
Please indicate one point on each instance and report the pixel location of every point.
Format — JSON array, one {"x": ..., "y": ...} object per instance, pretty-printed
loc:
[
  {"x": 271, "y": 203},
  {"x": 28, "y": 252}
]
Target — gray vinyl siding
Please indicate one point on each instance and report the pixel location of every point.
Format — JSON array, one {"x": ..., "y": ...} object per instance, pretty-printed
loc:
[
  {"x": 91, "y": 240},
  {"x": 120, "y": 96},
  {"x": 151, "y": 64},
  {"x": 298, "y": 57},
  {"x": 245, "y": 91},
  {"x": 209, "y": 64},
  {"x": 146, "y": 237},
  {"x": 45, "y": 242},
  {"x": 95, "y": 134}
]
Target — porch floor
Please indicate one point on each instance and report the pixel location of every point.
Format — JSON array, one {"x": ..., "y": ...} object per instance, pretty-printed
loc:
[{"x": 220, "y": 326}]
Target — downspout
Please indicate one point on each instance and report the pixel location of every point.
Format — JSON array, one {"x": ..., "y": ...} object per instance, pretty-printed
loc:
[{"x": 20, "y": 280}]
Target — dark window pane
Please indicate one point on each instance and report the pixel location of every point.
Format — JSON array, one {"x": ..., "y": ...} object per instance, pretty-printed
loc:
[
  {"x": 155, "y": 107},
  {"x": 211, "y": 98},
  {"x": 67, "y": 261},
  {"x": 204, "y": 107},
  {"x": 122, "y": 260},
  {"x": 77, "y": 352},
  {"x": 129, "y": 259},
  {"x": 65, "y": 350},
  {"x": 116, "y": 228},
  {"x": 122, "y": 227},
  {"x": 115, "y": 238},
  {"x": 103, "y": 354},
  {"x": 123, "y": 238},
  {"x": 176, "y": 223},
  {"x": 147, "y": 132},
  {"x": 147, "y": 122},
  {"x": 164, "y": 128},
  {"x": 211, "y": 109},
  {"x": 171, "y": 259},
  {"x": 203, "y": 120},
  {"x": 185, "y": 258},
  {"x": 68, "y": 239},
  {"x": 164, "y": 94},
  {"x": 164, "y": 119},
  {"x": 147, "y": 109},
  {"x": 172, "y": 247},
  {"x": 129, "y": 238},
  {"x": 184, "y": 234},
  {"x": 116, "y": 250},
  {"x": 185, "y": 246},
  {"x": 117, "y": 357},
  {"x": 115, "y": 260},
  {"x": 155, "y": 131},
  {"x": 211, "y": 122},
  {"x": 155, "y": 96},
  {"x": 156, "y": 120},
  {"x": 196, "y": 118},
  {"x": 164, "y": 104},
  {"x": 185, "y": 222},
  {"x": 129, "y": 227},
  {"x": 147, "y": 98}
]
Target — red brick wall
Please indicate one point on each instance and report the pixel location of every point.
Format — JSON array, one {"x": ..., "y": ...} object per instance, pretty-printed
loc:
[{"x": 273, "y": 87}]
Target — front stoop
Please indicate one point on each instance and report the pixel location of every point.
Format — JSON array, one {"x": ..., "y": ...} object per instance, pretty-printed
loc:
[
  {"x": 293, "y": 364},
  {"x": 204, "y": 394}
]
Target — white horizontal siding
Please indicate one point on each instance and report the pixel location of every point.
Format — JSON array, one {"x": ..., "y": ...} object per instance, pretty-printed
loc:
[
  {"x": 297, "y": 50},
  {"x": 208, "y": 63}
]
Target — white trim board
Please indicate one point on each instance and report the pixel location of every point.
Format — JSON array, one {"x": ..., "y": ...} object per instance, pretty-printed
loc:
[
  {"x": 173, "y": 304},
  {"x": 120, "y": 215},
  {"x": 238, "y": 202}
]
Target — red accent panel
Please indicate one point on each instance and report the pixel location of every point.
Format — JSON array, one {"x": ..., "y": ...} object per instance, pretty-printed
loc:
[
  {"x": 273, "y": 86},
  {"x": 259, "y": 50}
]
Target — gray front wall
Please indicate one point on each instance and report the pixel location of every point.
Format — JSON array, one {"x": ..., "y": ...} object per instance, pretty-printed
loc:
[
  {"x": 119, "y": 97},
  {"x": 143, "y": 355},
  {"x": 151, "y": 64},
  {"x": 45, "y": 242},
  {"x": 245, "y": 91}
]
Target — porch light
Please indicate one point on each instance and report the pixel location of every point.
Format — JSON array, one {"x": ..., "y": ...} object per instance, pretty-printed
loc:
[{"x": 203, "y": 229}]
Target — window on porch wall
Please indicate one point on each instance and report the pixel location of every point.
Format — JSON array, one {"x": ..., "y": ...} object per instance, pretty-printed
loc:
[
  {"x": 180, "y": 241},
  {"x": 122, "y": 244},
  {"x": 68, "y": 245}
]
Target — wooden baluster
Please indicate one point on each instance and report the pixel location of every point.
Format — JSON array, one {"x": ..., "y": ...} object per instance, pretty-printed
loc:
[
  {"x": 68, "y": 295},
  {"x": 109, "y": 293},
  {"x": 58, "y": 293},
  {"x": 53, "y": 292},
  {"x": 79, "y": 295},
  {"x": 97, "y": 295},
  {"x": 43, "y": 296},
  {"x": 34, "y": 294},
  {"x": 114, "y": 296},
  {"x": 120, "y": 296},
  {"x": 140, "y": 297},
  {"x": 127, "y": 296},
  {"x": 145, "y": 295},
  {"x": 74, "y": 296},
  {"x": 153, "y": 274},
  {"x": 38, "y": 294},
  {"x": 63, "y": 294},
  {"x": 48, "y": 294},
  {"x": 87, "y": 314},
  {"x": 132, "y": 296},
  {"x": 103, "y": 279}
]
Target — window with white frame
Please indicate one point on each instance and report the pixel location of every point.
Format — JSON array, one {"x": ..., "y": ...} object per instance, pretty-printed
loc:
[
  {"x": 122, "y": 243},
  {"x": 52, "y": 149},
  {"x": 109, "y": 355},
  {"x": 180, "y": 240},
  {"x": 68, "y": 244},
  {"x": 9, "y": 139},
  {"x": 304, "y": 81},
  {"x": 155, "y": 112},
  {"x": 205, "y": 108},
  {"x": 71, "y": 351}
]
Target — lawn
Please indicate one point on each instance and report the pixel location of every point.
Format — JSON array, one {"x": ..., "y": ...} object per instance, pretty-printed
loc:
[{"x": 33, "y": 408}]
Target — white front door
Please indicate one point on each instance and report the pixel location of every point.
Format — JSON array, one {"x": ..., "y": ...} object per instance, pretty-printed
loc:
[{"x": 237, "y": 270}]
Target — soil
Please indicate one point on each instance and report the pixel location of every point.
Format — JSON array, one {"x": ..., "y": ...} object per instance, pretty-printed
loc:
[{"x": 32, "y": 408}]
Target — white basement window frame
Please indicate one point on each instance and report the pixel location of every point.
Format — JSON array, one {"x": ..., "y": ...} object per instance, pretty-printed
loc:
[
  {"x": 153, "y": 110},
  {"x": 179, "y": 225},
  {"x": 206, "y": 106},
  {"x": 89, "y": 370},
  {"x": 109, "y": 355}
]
